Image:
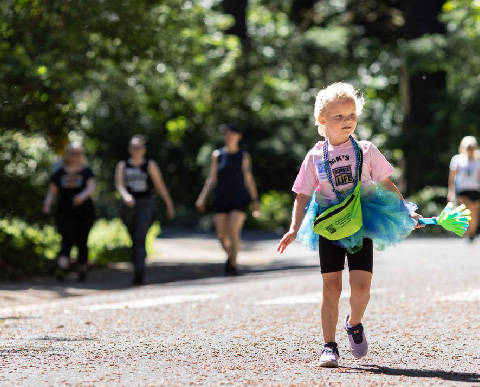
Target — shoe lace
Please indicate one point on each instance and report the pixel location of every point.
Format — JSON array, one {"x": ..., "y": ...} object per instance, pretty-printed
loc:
[{"x": 331, "y": 350}]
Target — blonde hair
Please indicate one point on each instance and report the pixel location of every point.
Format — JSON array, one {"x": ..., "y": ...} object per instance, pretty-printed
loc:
[
  {"x": 468, "y": 141},
  {"x": 139, "y": 137},
  {"x": 73, "y": 147},
  {"x": 335, "y": 92}
]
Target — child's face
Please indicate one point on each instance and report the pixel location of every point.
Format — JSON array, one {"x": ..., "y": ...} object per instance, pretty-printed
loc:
[{"x": 340, "y": 120}]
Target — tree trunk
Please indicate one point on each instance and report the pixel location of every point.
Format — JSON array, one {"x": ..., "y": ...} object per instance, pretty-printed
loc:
[
  {"x": 421, "y": 91},
  {"x": 302, "y": 11},
  {"x": 238, "y": 9}
]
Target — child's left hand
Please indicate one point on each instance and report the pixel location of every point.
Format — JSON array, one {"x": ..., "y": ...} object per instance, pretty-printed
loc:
[
  {"x": 416, "y": 216},
  {"x": 288, "y": 238}
]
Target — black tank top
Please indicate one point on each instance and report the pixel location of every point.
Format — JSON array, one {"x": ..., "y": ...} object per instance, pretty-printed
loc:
[
  {"x": 137, "y": 180},
  {"x": 230, "y": 188}
]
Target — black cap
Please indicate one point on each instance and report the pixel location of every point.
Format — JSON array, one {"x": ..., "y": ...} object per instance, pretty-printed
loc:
[{"x": 232, "y": 127}]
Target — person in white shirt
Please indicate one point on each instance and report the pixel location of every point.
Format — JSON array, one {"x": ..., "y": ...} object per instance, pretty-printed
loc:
[{"x": 464, "y": 181}]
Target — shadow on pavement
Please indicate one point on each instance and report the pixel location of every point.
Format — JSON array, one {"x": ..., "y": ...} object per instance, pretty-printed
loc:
[
  {"x": 168, "y": 272},
  {"x": 418, "y": 373},
  {"x": 120, "y": 277},
  {"x": 247, "y": 235}
]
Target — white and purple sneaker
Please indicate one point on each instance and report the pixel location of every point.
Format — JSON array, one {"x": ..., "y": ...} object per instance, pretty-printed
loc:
[
  {"x": 329, "y": 357},
  {"x": 357, "y": 339}
]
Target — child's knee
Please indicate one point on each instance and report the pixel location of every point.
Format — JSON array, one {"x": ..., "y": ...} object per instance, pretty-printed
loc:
[
  {"x": 360, "y": 289},
  {"x": 332, "y": 289}
]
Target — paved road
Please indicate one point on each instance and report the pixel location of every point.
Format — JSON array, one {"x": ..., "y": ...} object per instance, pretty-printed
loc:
[{"x": 191, "y": 326}]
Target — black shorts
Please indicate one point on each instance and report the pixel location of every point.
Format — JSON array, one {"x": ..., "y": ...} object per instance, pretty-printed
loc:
[
  {"x": 470, "y": 194},
  {"x": 332, "y": 257},
  {"x": 225, "y": 209}
]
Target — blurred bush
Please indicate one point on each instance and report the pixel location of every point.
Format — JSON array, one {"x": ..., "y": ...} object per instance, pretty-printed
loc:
[
  {"x": 25, "y": 165},
  {"x": 276, "y": 212},
  {"x": 30, "y": 250},
  {"x": 27, "y": 250},
  {"x": 430, "y": 201},
  {"x": 109, "y": 241}
]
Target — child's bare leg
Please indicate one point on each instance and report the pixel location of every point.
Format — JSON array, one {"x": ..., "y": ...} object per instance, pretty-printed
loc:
[
  {"x": 332, "y": 288},
  {"x": 360, "y": 281}
]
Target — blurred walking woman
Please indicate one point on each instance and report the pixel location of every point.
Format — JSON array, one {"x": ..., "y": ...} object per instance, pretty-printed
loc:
[
  {"x": 464, "y": 181},
  {"x": 73, "y": 183},
  {"x": 135, "y": 179},
  {"x": 233, "y": 185}
]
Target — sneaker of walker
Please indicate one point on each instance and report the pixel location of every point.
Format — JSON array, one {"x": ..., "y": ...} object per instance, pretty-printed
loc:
[
  {"x": 63, "y": 262},
  {"x": 356, "y": 338}
]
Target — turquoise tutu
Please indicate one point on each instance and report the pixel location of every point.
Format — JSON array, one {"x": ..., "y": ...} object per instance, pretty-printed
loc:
[{"x": 386, "y": 221}]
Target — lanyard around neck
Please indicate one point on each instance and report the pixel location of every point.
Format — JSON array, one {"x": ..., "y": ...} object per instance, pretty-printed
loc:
[{"x": 358, "y": 157}]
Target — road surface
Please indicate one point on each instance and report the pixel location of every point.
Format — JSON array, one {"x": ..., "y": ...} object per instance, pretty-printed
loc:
[{"x": 192, "y": 326}]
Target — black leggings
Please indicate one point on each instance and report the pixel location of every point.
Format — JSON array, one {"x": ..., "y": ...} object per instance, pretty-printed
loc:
[
  {"x": 138, "y": 221},
  {"x": 470, "y": 195},
  {"x": 74, "y": 227},
  {"x": 332, "y": 257}
]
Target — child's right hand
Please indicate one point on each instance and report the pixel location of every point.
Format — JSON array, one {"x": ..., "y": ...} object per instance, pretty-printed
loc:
[{"x": 288, "y": 238}]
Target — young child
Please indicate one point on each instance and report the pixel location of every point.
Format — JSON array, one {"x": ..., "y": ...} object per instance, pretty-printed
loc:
[{"x": 387, "y": 219}]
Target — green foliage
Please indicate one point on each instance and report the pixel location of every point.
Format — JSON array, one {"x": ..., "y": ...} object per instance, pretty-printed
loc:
[
  {"x": 430, "y": 201},
  {"x": 30, "y": 250},
  {"x": 27, "y": 250},
  {"x": 167, "y": 84},
  {"x": 109, "y": 241},
  {"x": 426, "y": 54},
  {"x": 461, "y": 19},
  {"x": 276, "y": 211},
  {"x": 25, "y": 162},
  {"x": 455, "y": 113}
]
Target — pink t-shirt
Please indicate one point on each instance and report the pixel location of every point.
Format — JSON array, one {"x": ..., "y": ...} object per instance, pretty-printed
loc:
[{"x": 312, "y": 176}]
